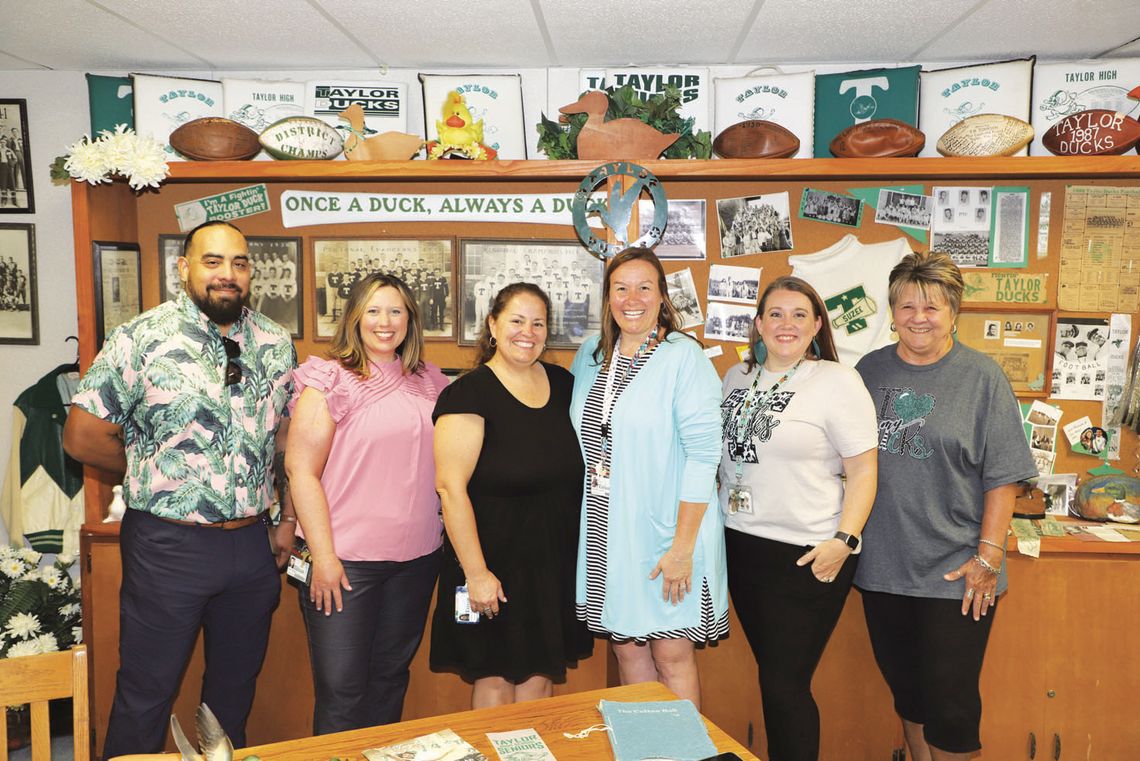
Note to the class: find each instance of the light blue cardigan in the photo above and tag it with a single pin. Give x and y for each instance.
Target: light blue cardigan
(666, 449)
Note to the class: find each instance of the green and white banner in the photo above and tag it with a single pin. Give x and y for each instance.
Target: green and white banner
(309, 207)
(233, 204)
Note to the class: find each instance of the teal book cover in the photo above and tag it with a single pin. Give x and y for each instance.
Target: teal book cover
(853, 97)
(668, 729)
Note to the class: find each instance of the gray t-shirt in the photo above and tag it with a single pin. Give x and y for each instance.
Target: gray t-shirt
(948, 433)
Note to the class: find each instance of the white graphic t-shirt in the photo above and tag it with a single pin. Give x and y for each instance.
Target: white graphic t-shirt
(851, 277)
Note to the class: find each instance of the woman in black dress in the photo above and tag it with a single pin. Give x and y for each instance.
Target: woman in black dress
(509, 474)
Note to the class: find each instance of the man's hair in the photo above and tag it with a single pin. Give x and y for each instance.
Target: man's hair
(212, 223)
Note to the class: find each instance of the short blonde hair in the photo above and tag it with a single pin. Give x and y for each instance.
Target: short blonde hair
(927, 270)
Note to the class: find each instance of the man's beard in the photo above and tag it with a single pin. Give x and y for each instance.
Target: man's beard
(219, 310)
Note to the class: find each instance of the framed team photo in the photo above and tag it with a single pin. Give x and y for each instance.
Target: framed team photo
(16, 195)
(118, 286)
(570, 275)
(19, 311)
(426, 265)
(276, 281)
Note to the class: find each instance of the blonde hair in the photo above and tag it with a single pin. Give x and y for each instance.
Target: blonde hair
(668, 317)
(927, 270)
(347, 345)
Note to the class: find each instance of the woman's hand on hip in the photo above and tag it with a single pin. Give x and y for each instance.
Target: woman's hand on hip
(981, 588)
(485, 593)
(826, 559)
(676, 569)
(325, 585)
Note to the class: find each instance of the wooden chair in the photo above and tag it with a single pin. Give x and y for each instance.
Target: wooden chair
(36, 679)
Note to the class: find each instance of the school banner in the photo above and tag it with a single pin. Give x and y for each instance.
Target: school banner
(311, 207)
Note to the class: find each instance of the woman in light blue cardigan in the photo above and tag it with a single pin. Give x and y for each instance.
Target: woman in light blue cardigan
(646, 405)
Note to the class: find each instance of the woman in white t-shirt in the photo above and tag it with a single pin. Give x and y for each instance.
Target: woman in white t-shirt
(797, 480)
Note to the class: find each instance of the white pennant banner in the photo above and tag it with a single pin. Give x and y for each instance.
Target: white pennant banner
(311, 207)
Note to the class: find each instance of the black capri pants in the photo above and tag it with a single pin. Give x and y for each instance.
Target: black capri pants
(931, 658)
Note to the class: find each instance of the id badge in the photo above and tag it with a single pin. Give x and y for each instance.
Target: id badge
(300, 566)
(599, 485)
(740, 499)
(463, 612)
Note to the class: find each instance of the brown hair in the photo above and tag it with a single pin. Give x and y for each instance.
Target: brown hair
(348, 347)
(926, 270)
(668, 318)
(823, 338)
(485, 349)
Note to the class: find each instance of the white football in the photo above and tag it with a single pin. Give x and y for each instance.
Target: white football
(301, 137)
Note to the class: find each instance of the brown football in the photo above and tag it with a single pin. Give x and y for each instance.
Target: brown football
(1096, 132)
(878, 138)
(756, 139)
(213, 138)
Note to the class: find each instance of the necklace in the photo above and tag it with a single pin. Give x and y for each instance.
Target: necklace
(754, 401)
(599, 481)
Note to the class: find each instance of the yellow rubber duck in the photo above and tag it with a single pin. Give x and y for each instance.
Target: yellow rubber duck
(458, 132)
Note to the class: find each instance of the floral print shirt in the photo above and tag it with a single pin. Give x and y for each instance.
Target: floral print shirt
(197, 450)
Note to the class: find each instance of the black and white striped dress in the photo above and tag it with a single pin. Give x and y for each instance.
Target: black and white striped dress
(597, 522)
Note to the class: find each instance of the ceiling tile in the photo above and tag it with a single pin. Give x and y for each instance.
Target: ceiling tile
(76, 35)
(487, 34)
(829, 31)
(1055, 30)
(1131, 50)
(645, 32)
(278, 34)
(12, 63)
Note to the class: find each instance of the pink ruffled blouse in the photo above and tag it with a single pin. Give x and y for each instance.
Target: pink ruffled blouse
(380, 475)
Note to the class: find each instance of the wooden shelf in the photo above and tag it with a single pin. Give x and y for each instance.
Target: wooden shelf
(1031, 167)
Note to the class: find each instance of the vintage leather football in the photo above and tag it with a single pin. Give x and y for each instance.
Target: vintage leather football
(301, 137)
(878, 138)
(985, 135)
(756, 139)
(213, 138)
(1096, 132)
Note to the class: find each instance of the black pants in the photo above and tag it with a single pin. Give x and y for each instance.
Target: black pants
(787, 615)
(361, 655)
(178, 580)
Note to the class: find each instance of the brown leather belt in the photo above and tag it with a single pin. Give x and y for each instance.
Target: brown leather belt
(224, 525)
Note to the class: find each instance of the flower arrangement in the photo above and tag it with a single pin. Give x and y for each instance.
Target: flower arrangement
(39, 607)
(141, 160)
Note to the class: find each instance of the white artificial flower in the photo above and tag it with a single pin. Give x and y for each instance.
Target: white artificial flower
(12, 568)
(145, 166)
(70, 609)
(5, 552)
(31, 647)
(52, 577)
(33, 574)
(77, 634)
(88, 161)
(65, 560)
(47, 643)
(23, 625)
(30, 556)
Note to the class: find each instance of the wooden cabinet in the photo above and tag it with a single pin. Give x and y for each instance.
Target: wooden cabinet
(1059, 661)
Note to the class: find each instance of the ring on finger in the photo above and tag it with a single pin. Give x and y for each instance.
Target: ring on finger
(987, 596)
(970, 593)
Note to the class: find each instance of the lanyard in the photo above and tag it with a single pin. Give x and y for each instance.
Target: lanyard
(754, 401)
(611, 388)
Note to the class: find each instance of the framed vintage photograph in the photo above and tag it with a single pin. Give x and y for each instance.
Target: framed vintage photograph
(425, 264)
(684, 237)
(754, 225)
(833, 208)
(276, 281)
(569, 274)
(118, 285)
(16, 195)
(902, 209)
(1017, 341)
(19, 312)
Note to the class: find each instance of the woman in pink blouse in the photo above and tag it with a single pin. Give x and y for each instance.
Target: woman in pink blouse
(362, 475)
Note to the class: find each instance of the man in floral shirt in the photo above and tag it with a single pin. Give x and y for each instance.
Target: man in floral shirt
(187, 399)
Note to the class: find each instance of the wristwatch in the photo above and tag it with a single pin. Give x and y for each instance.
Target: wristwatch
(850, 540)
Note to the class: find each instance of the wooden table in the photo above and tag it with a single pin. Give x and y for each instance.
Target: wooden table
(550, 717)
